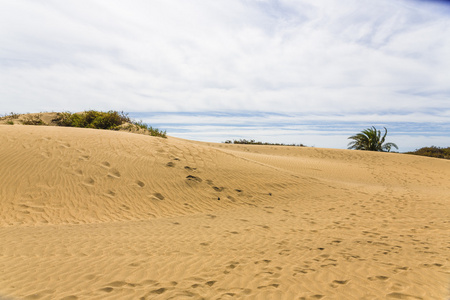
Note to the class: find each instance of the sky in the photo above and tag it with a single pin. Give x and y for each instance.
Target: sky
(287, 71)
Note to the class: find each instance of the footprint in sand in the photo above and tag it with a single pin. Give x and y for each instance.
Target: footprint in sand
(318, 296)
(140, 183)
(70, 297)
(107, 289)
(193, 178)
(159, 291)
(110, 193)
(397, 295)
(337, 283)
(382, 278)
(118, 283)
(232, 264)
(46, 154)
(89, 181)
(210, 283)
(64, 145)
(275, 285)
(114, 173)
(158, 196)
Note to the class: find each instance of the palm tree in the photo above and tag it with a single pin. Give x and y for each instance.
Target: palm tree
(371, 140)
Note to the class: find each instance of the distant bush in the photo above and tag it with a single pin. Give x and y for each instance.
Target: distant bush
(432, 151)
(33, 120)
(253, 142)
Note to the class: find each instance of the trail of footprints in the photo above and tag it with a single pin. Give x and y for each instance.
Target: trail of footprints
(192, 287)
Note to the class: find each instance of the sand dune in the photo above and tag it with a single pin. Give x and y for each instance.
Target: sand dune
(94, 214)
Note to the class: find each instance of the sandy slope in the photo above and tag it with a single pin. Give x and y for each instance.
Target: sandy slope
(92, 214)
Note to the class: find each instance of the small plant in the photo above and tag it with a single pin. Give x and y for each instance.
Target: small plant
(10, 122)
(33, 120)
(140, 124)
(157, 132)
(152, 131)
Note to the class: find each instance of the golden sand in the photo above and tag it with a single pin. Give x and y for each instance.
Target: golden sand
(94, 214)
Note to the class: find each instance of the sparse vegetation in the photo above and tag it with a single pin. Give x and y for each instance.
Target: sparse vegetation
(150, 129)
(10, 116)
(110, 120)
(370, 140)
(253, 142)
(432, 151)
(33, 120)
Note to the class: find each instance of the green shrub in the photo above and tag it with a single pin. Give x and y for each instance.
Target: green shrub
(10, 122)
(432, 151)
(111, 120)
(157, 132)
(63, 119)
(92, 119)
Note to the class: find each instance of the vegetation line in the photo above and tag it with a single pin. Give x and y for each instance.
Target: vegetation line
(253, 142)
(110, 120)
(369, 139)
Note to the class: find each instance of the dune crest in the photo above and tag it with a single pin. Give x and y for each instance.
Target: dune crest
(96, 214)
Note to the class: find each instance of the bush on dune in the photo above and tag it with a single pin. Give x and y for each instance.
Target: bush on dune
(10, 116)
(432, 151)
(111, 120)
(92, 119)
(33, 120)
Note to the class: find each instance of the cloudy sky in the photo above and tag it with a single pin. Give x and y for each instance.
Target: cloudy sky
(292, 71)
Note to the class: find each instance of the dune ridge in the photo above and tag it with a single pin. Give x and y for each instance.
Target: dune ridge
(95, 214)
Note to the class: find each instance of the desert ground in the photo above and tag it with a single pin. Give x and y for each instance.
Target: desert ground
(96, 214)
